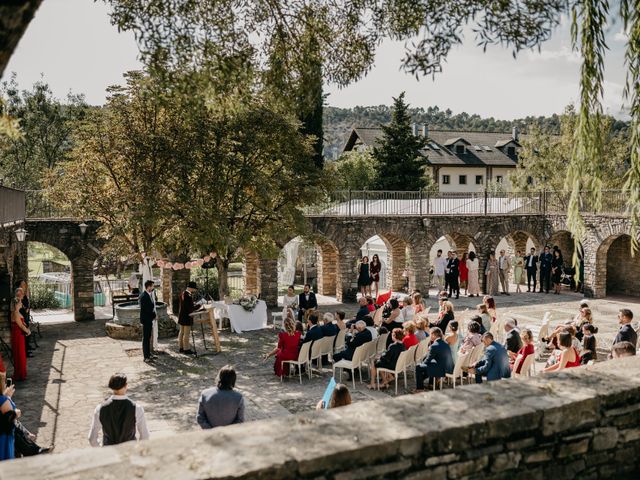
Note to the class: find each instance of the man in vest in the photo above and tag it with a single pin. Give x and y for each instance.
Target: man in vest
(118, 417)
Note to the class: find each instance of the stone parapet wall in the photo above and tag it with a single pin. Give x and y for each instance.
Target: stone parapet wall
(580, 423)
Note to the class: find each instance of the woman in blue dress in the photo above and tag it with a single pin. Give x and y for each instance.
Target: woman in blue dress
(7, 423)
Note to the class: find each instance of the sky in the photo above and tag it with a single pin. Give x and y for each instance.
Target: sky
(74, 47)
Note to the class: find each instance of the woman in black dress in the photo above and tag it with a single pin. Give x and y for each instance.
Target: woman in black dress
(364, 280)
(556, 270)
(374, 271)
(388, 359)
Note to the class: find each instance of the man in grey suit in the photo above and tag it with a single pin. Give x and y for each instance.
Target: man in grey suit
(221, 405)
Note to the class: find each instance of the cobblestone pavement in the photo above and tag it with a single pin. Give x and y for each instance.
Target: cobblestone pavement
(67, 377)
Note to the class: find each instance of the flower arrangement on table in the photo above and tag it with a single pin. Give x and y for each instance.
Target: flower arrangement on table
(248, 302)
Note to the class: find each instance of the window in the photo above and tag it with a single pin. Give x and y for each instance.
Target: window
(446, 179)
(460, 149)
(499, 178)
(529, 180)
(462, 179)
(479, 179)
(511, 151)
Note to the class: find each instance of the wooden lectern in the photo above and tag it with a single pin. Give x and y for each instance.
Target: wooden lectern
(202, 318)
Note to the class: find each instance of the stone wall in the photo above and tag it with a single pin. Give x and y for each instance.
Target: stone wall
(581, 423)
(623, 270)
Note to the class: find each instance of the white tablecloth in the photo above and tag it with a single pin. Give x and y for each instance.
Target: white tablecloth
(241, 320)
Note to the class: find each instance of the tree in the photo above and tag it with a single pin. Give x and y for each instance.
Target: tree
(121, 169)
(355, 170)
(400, 164)
(45, 126)
(544, 159)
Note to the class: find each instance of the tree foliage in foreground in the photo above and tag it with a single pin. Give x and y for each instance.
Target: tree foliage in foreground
(190, 32)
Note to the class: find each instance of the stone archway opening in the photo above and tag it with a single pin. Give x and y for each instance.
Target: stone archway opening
(616, 268)
(297, 264)
(396, 263)
(50, 277)
(459, 242)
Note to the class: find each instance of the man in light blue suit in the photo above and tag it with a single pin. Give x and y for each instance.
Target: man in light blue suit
(494, 364)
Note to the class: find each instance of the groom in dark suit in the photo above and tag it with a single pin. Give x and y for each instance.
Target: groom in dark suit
(545, 270)
(306, 301)
(453, 265)
(147, 315)
(531, 265)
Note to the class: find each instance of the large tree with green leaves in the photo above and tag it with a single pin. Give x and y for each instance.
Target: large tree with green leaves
(399, 162)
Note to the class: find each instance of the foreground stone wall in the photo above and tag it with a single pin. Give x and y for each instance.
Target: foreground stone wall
(581, 423)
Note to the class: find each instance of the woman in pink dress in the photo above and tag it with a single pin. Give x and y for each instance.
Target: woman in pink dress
(19, 331)
(287, 348)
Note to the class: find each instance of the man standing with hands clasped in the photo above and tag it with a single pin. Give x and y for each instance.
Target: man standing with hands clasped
(531, 265)
(147, 315)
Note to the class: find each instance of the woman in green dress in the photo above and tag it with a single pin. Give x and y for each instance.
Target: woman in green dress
(518, 270)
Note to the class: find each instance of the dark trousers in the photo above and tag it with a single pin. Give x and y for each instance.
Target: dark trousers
(447, 279)
(422, 375)
(147, 330)
(454, 285)
(478, 378)
(531, 276)
(545, 280)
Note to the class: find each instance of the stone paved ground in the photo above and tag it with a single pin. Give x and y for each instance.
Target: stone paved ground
(68, 376)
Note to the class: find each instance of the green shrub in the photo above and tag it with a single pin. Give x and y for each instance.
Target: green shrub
(42, 295)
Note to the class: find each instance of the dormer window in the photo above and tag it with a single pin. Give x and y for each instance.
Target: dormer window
(460, 149)
(511, 151)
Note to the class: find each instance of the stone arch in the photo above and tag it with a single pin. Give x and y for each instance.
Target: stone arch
(564, 240)
(616, 269)
(81, 250)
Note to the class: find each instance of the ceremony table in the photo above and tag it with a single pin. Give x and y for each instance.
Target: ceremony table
(242, 320)
(205, 317)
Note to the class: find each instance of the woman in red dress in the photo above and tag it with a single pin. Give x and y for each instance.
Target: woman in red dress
(18, 341)
(287, 348)
(526, 350)
(569, 357)
(464, 273)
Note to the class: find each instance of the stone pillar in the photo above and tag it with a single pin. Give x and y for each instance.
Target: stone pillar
(347, 281)
(268, 281)
(397, 258)
(520, 242)
(179, 281)
(327, 269)
(250, 273)
(167, 275)
(419, 271)
(82, 288)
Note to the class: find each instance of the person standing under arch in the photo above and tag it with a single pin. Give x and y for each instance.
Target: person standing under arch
(364, 279)
(531, 266)
(464, 273)
(473, 265)
(374, 272)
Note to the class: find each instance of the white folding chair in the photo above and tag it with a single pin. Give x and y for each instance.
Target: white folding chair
(422, 350)
(359, 357)
(474, 356)
(327, 347)
(527, 364)
(277, 316)
(377, 317)
(462, 361)
(382, 343)
(411, 361)
(316, 353)
(303, 359)
(339, 344)
(543, 333)
(401, 367)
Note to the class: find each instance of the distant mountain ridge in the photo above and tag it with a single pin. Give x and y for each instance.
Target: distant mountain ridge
(339, 121)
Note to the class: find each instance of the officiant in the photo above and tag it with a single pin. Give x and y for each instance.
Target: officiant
(185, 320)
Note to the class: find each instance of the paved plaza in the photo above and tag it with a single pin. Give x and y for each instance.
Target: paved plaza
(67, 378)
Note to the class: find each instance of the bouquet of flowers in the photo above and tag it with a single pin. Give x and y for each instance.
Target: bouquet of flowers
(248, 302)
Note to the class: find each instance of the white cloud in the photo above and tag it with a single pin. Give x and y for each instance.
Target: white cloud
(621, 36)
(564, 54)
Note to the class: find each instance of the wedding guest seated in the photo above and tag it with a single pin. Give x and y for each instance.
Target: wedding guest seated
(444, 317)
(485, 318)
(340, 316)
(362, 313)
(329, 329)
(388, 359)
(410, 338)
(420, 300)
(437, 363)
(513, 342)
(473, 337)
(589, 346)
(314, 332)
(527, 349)
(626, 332)
(221, 405)
(391, 316)
(421, 329)
(339, 398)
(623, 349)
(453, 339)
(408, 311)
(418, 304)
(371, 306)
(495, 362)
(286, 349)
(569, 356)
(359, 335)
(585, 318)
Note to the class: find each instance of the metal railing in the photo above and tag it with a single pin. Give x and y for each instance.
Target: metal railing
(423, 203)
(12, 206)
